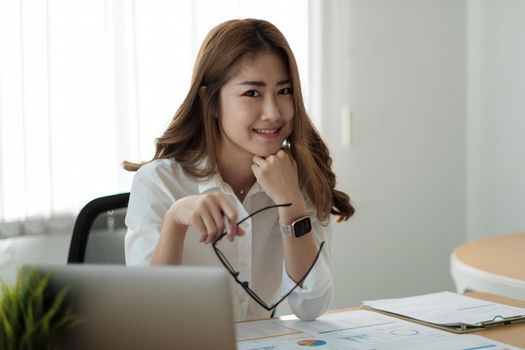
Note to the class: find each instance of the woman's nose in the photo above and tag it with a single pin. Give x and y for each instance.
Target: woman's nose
(271, 110)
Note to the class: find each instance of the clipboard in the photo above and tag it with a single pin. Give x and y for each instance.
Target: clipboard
(460, 328)
(449, 311)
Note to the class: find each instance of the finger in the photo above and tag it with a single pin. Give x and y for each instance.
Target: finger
(231, 215)
(281, 153)
(286, 155)
(240, 232)
(228, 226)
(216, 215)
(259, 161)
(200, 227)
(211, 229)
(256, 170)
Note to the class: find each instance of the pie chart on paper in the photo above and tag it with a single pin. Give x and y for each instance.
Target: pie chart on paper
(311, 342)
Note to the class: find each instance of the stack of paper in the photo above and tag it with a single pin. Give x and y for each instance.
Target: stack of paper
(453, 311)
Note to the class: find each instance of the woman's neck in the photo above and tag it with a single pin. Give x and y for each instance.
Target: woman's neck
(237, 172)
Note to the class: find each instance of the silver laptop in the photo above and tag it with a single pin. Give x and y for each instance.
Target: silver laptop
(147, 307)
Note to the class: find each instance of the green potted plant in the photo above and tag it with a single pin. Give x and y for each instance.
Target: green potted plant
(32, 314)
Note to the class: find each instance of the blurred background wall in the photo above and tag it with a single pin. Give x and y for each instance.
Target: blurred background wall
(434, 91)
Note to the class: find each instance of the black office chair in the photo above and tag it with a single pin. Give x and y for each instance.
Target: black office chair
(98, 235)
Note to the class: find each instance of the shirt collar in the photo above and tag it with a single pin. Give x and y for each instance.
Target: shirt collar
(216, 182)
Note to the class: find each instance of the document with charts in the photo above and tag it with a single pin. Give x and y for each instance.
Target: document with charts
(452, 311)
(356, 330)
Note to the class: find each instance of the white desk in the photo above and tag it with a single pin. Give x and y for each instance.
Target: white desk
(35, 249)
(493, 265)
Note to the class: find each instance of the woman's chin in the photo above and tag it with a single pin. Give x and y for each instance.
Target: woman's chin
(263, 153)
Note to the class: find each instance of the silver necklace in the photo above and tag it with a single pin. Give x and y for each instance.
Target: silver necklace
(241, 191)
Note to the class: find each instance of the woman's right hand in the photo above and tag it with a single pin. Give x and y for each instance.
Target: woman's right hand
(205, 213)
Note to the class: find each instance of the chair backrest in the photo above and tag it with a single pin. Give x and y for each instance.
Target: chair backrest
(98, 235)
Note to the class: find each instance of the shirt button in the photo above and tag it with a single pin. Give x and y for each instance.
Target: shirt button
(243, 264)
(242, 299)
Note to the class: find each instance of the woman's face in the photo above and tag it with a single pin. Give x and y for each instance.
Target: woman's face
(256, 107)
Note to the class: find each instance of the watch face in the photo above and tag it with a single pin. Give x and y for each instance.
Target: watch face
(302, 227)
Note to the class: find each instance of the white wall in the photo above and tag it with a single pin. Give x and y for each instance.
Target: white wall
(496, 117)
(400, 68)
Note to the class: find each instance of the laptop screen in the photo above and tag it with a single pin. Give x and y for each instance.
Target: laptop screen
(146, 307)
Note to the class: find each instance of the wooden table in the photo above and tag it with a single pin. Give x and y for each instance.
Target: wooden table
(494, 265)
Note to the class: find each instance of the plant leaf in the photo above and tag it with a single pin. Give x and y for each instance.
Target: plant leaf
(32, 314)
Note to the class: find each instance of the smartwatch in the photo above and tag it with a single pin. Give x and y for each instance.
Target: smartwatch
(298, 228)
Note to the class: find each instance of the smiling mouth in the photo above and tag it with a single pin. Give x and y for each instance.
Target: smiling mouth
(267, 132)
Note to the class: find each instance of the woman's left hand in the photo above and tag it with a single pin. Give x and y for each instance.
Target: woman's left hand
(277, 174)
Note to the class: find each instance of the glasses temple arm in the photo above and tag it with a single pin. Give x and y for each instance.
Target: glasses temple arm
(302, 279)
(263, 209)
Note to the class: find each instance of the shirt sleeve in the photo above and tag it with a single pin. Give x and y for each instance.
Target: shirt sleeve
(314, 297)
(149, 200)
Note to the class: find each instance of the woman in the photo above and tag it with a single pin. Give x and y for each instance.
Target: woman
(222, 158)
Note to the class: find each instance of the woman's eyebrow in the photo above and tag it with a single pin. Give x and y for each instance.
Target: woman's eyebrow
(262, 83)
(283, 82)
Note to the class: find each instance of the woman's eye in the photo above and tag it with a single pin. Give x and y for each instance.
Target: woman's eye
(252, 93)
(285, 91)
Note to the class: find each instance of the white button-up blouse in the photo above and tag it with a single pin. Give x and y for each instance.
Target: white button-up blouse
(258, 255)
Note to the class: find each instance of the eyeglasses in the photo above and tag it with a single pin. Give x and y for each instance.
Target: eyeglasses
(245, 284)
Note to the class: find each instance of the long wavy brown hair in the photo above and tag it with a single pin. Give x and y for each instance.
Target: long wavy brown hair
(193, 135)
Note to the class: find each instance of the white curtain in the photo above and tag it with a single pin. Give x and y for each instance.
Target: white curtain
(86, 84)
